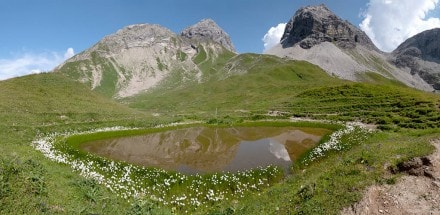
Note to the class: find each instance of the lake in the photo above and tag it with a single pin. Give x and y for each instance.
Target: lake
(207, 149)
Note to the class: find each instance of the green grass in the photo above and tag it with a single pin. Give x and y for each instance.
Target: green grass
(243, 87)
(186, 193)
(386, 105)
(32, 184)
(339, 180)
(268, 82)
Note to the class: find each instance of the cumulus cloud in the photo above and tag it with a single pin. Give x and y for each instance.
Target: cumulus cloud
(69, 53)
(273, 36)
(390, 22)
(31, 63)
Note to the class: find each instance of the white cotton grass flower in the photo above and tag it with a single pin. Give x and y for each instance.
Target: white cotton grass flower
(155, 184)
(335, 143)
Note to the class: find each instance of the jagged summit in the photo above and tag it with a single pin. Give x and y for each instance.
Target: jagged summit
(206, 30)
(426, 45)
(420, 55)
(137, 35)
(315, 34)
(313, 25)
(140, 57)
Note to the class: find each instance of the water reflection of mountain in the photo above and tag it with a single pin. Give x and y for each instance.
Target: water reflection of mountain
(296, 142)
(202, 149)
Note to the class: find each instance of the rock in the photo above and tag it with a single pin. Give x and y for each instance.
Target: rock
(140, 57)
(426, 44)
(416, 167)
(208, 30)
(313, 25)
(317, 35)
(421, 55)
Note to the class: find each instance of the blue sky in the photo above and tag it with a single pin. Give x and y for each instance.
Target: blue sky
(43, 30)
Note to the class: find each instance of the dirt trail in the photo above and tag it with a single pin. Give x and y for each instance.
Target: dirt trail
(410, 195)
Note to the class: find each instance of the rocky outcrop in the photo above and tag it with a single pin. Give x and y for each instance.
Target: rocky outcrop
(313, 25)
(317, 35)
(141, 57)
(208, 30)
(132, 36)
(421, 55)
(425, 45)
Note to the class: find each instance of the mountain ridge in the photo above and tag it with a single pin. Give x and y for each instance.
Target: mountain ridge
(317, 35)
(208, 30)
(319, 24)
(140, 57)
(420, 55)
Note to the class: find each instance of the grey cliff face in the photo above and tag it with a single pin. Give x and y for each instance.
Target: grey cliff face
(140, 57)
(421, 55)
(207, 30)
(139, 35)
(313, 25)
(426, 45)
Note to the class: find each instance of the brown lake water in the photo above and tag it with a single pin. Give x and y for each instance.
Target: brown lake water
(204, 150)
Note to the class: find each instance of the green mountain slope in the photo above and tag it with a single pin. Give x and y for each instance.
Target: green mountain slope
(51, 99)
(258, 84)
(246, 82)
(244, 86)
(140, 58)
(47, 103)
(127, 81)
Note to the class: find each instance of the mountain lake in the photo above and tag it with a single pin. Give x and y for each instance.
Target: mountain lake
(207, 149)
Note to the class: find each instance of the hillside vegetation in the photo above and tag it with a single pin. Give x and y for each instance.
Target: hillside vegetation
(29, 182)
(243, 87)
(262, 83)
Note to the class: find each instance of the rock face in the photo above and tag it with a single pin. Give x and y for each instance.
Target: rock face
(141, 57)
(317, 35)
(425, 45)
(420, 55)
(208, 30)
(313, 25)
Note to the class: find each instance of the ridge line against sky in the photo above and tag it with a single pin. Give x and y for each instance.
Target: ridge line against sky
(42, 34)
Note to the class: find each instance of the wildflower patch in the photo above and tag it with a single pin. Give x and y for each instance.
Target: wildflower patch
(352, 134)
(173, 189)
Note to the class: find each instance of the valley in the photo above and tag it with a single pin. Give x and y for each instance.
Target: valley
(146, 79)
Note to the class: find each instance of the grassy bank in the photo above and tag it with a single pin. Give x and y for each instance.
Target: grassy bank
(51, 103)
(184, 193)
(340, 179)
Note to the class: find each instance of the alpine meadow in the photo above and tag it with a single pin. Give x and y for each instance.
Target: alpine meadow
(349, 120)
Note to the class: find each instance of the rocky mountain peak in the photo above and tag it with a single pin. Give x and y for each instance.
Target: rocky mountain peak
(420, 54)
(208, 30)
(425, 45)
(137, 35)
(313, 25)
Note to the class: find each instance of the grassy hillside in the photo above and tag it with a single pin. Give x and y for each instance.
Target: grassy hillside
(253, 82)
(258, 84)
(30, 183)
(236, 88)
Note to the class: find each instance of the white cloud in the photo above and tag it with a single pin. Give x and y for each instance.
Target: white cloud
(31, 63)
(390, 22)
(69, 53)
(273, 36)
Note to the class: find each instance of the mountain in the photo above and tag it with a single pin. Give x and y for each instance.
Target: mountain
(144, 76)
(317, 35)
(317, 24)
(420, 55)
(207, 30)
(141, 57)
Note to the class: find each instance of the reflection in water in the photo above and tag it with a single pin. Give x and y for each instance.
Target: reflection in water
(201, 149)
(279, 150)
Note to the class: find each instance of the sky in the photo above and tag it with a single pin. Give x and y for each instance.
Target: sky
(38, 35)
